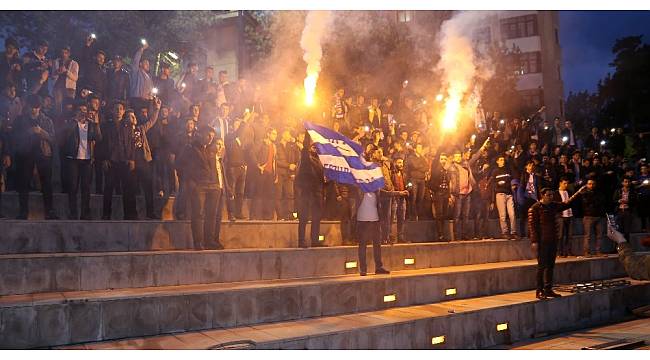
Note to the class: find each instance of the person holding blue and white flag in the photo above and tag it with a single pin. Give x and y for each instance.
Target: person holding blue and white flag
(343, 162)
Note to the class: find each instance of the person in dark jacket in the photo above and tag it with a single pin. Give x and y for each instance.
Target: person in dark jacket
(264, 157)
(109, 158)
(134, 150)
(416, 170)
(287, 163)
(10, 64)
(117, 81)
(593, 208)
(530, 183)
(439, 183)
(625, 200)
(235, 162)
(94, 75)
(79, 139)
(310, 184)
(203, 173)
(542, 218)
(33, 145)
(184, 139)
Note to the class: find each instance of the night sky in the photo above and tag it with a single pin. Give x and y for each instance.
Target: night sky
(587, 38)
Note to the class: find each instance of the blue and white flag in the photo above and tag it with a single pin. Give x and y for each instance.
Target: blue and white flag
(343, 159)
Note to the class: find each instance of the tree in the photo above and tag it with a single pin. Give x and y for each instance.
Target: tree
(583, 110)
(499, 93)
(623, 95)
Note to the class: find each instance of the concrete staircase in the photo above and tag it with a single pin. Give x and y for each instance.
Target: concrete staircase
(80, 284)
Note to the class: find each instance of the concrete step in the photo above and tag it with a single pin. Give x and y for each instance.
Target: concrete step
(40, 236)
(49, 319)
(34, 273)
(473, 323)
(10, 207)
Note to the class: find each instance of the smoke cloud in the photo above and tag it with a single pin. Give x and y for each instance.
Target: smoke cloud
(315, 26)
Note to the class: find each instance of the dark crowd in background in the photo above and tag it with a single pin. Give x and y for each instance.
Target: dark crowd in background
(91, 123)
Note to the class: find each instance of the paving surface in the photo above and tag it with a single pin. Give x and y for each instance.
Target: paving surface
(630, 330)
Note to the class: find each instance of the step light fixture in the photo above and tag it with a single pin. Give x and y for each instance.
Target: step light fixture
(390, 298)
(321, 237)
(450, 291)
(409, 261)
(502, 327)
(437, 340)
(350, 264)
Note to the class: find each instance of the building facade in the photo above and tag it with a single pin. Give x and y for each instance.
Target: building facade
(533, 35)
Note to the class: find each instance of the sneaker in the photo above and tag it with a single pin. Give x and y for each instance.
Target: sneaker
(540, 295)
(381, 271)
(363, 273)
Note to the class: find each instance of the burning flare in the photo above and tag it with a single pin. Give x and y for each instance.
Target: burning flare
(310, 42)
(459, 68)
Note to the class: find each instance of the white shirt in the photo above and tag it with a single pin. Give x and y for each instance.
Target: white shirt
(565, 196)
(368, 208)
(83, 153)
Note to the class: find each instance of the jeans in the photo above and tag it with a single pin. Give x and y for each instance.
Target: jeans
(565, 236)
(384, 218)
(284, 196)
(546, 253)
(204, 204)
(80, 175)
(593, 226)
(310, 205)
(25, 170)
(441, 211)
(506, 207)
(349, 219)
(114, 181)
(416, 199)
(369, 232)
(236, 176)
(461, 214)
(399, 212)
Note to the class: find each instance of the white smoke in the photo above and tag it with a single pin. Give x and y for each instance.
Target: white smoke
(459, 66)
(315, 26)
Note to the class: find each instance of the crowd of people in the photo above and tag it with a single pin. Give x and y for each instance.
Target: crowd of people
(87, 123)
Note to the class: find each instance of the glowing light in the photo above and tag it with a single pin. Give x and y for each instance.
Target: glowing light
(93, 36)
(390, 298)
(450, 114)
(154, 91)
(450, 291)
(143, 41)
(350, 264)
(366, 128)
(502, 121)
(646, 182)
(437, 340)
(315, 26)
(409, 261)
(295, 215)
(603, 143)
(613, 130)
(502, 327)
(321, 237)
(565, 139)
(439, 97)
(183, 85)
(473, 138)
(173, 55)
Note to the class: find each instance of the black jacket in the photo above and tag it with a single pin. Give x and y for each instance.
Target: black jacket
(310, 175)
(416, 167)
(117, 85)
(26, 142)
(542, 221)
(107, 147)
(71, 139)
(286, 154)
(94, 79)
(198, 167)
(235, 155)
(593, 203)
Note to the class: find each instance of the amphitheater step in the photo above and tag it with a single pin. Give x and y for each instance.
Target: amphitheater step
(33, 273)
(36, 236)
(60, 203)
(48, 319)
(473, 323)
